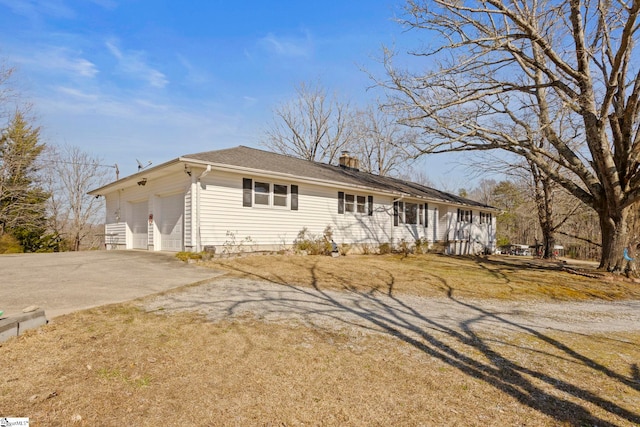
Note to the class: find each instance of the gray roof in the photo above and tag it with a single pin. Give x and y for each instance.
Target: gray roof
(267, 161)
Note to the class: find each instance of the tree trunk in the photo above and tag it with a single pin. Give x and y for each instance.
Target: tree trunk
(614, 239)
(543, 194)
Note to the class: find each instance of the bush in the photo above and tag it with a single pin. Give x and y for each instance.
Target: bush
(366, 249)
(344, 249)
(9, 245)
(313, 244)
(421, 246)
(186, 256)
(404, 248)
(384, 248)
(234, 246)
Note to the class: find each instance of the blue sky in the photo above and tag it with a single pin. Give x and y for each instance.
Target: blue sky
(152, 80)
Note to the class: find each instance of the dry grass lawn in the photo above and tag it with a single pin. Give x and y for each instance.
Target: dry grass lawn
(118, 365)
(510, 278)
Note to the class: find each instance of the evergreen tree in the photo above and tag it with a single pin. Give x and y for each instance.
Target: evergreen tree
(22, 199)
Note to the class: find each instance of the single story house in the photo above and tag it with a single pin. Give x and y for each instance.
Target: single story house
(262, 200)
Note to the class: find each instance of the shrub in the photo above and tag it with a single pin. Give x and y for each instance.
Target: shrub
(366, 249)
(384, 248)
(186, 256)
(344, 249)
(233, 246)
(9, 245)
(404, 248)
(313, 244)
(421, 246)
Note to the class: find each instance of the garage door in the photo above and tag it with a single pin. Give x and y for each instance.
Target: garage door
(139, 224)
(170, 223)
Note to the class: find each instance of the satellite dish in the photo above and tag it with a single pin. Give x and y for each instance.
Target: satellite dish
(141, 166)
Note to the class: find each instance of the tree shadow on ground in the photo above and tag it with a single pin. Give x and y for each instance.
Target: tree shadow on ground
(460, 343)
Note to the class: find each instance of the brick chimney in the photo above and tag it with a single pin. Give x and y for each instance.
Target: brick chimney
(348, 162)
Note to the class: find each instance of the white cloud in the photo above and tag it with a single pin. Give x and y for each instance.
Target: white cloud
(77, 66)
(133, 64)
(53, 58)
(75, 93)
(288, 46)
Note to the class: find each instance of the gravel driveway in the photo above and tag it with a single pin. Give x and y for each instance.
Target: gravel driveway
(229, 297)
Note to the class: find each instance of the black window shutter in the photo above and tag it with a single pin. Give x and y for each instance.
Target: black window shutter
(471, 215)
(247, 185)
(426, 214)
(395, 213)
(370, 205)
(340, 202)
(294, 197)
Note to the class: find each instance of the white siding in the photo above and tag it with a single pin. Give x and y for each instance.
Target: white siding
(444, 223)
(115, 235)
(224, 218)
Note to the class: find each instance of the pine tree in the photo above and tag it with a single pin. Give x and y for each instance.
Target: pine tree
(22, 199)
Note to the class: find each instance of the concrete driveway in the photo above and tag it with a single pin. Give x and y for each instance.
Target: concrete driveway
(64, 282)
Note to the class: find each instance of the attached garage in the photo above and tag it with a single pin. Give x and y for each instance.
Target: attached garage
(139, 225)
(170, 223)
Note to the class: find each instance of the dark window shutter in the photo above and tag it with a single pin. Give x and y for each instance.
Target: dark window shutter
(470, 216)
(340, 202)
(294, 197)
(247, 185)
(426, 214)
(370, 205)
(459, 219)
(395, 213)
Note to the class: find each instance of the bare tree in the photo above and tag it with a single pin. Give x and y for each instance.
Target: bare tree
(381, 143)
(502, 62)
(72, 212)
(313, 126)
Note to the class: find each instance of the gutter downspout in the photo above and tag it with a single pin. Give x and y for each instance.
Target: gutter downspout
(198, 185)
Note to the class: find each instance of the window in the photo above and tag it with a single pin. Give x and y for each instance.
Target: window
(279, 195)
(464, 215)
(349, 201)
(410, 213)
(485, 218)
(362, 204)
(261, 193)
(355, 204)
